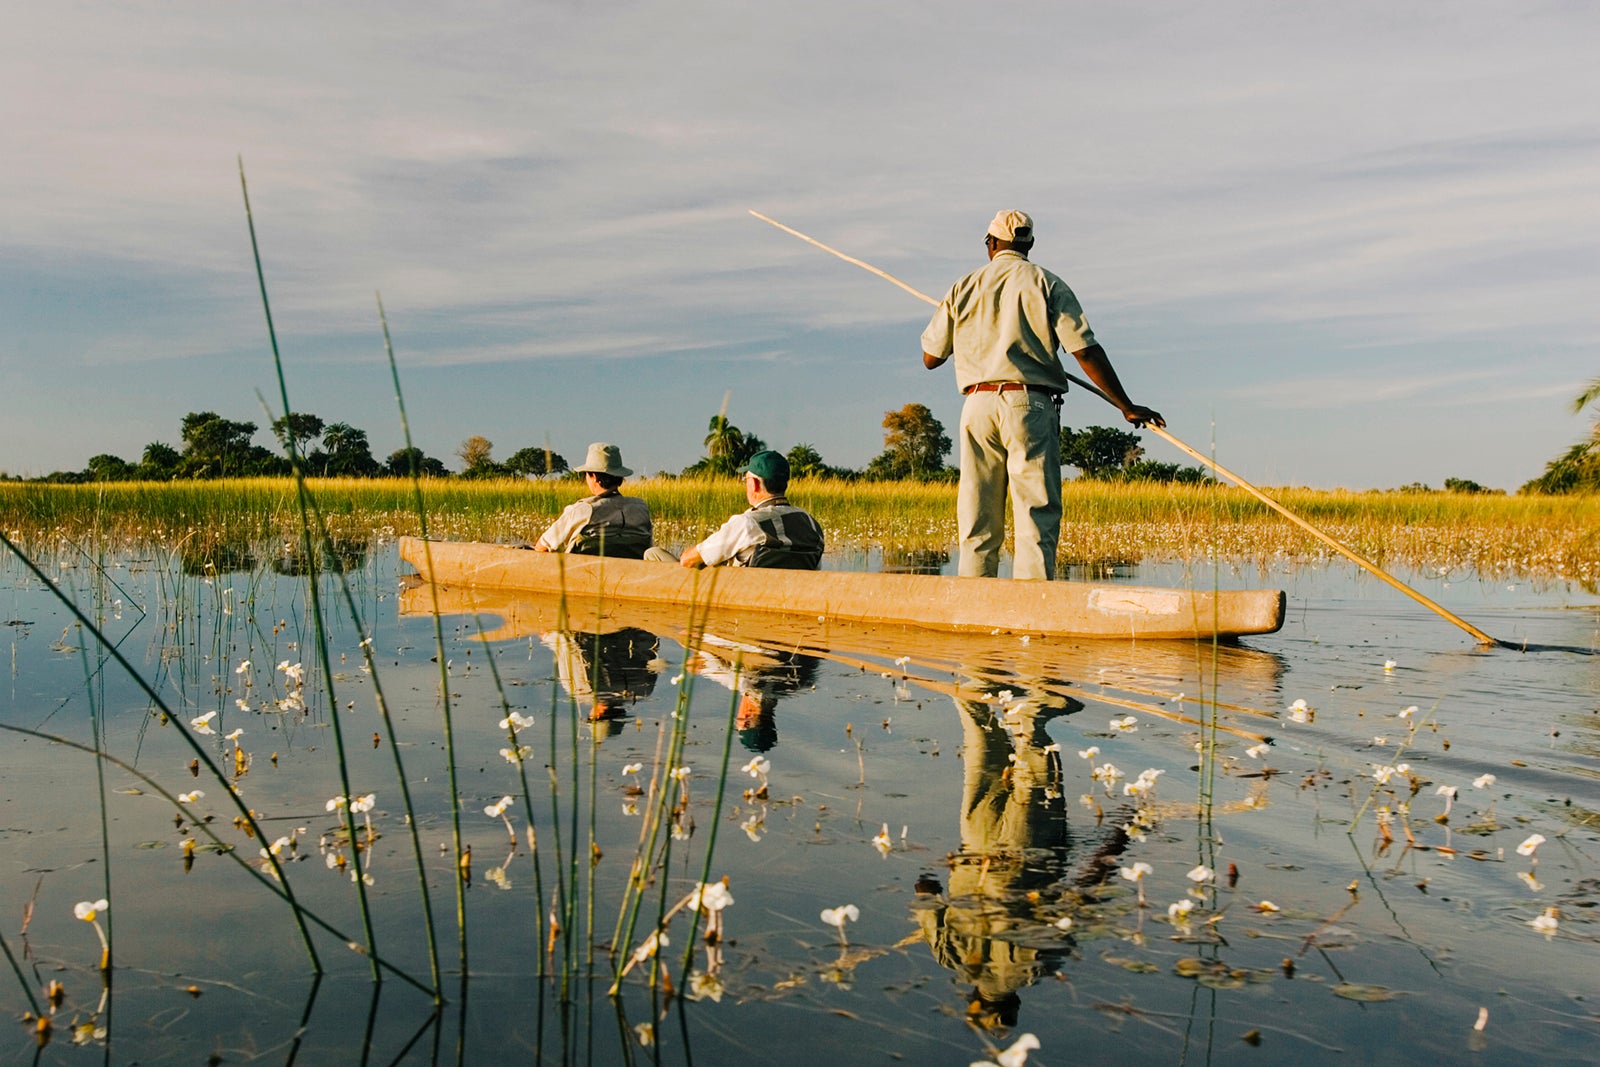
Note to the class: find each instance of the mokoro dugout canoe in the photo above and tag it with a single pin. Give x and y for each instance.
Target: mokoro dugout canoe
(934, 602)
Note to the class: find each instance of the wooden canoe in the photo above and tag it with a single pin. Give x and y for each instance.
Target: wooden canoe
(935, 602)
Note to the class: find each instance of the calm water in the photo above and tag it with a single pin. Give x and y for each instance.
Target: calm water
(995, 905)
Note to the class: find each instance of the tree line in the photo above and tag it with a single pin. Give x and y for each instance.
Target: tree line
(916, 448)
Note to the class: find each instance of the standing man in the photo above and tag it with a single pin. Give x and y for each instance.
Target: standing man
(772, 533)
(605, 523)
(1004, 324)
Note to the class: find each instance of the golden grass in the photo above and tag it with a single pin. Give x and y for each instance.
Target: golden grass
(1492, 535)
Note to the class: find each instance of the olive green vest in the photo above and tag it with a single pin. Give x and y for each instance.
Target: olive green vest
(790, 538)
(618, 526)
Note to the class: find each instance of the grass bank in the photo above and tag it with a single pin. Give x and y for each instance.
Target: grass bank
(1529, 536)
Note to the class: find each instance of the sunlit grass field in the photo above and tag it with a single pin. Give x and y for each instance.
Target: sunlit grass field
(1493, 535)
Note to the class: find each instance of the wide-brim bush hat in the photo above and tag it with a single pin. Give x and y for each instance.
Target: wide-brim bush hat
(603, 459)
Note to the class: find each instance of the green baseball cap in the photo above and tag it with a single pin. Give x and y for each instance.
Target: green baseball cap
(769, 466)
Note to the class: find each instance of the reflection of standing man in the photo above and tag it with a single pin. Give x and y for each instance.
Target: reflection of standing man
(1011, 811)
(605, 671)
(1004, 323)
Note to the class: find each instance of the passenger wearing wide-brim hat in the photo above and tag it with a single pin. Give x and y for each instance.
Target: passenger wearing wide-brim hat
(606, 523)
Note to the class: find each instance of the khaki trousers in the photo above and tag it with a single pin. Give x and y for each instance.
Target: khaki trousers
(1009, 442)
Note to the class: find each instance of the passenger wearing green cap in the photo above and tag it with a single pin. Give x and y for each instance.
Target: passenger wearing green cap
(606, 523)
(773, 533)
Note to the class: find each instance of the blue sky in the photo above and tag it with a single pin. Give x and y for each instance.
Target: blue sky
(1350, 244)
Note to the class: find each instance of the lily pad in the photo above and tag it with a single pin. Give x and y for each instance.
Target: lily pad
(1129, 964)
(1367, 994)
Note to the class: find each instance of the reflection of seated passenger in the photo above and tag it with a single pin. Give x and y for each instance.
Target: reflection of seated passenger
(760, 676)
(607, 672)
(773, 533)
(605, 523)
(1014, 842)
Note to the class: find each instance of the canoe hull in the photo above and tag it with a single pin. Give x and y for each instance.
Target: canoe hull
(956, 605)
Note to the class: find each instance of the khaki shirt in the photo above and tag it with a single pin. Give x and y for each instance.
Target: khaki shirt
(1005, 323)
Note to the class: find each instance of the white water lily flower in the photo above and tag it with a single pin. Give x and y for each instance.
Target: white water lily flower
(1107, 773)
(1015, 1056)
(1128, 725)
(1408, 712)
(1064, 923)
(711, 896)
(1137, 871)
(516, 755)
(1201, 874)
(882, 842)
(1389, 665)
(335, 804)
(1178, 911)
(1547, 923)
(202, 723)
(292, 671)
(497, 809)
(1267, 906)
(190, 797)
(1445, 791)
(1089, 753)
(680, 773)
(753, 826)
(1300, 711)
(364, 804)
(515, 721)
(242, 668)
(236, 734)
(1256, 751)
(837, 917)
(1483, 781)
(633, 768)
(89, 910)
(649, 947)
(1531, 845)
(757, 767)
(1532, 882)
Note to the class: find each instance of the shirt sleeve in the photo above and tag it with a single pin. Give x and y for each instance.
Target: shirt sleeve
(736, 535)
(938, 340)
(560, 535)
(1066, 316)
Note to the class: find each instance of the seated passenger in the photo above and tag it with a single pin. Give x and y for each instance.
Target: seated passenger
(605, 523)
(773, 533)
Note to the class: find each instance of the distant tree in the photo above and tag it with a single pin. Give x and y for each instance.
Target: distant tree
(1100, 452)
(1414, 487)
(723, 442)
(1578, 469)
(475, 451)
(806, 462)
(302, 427)
(348, 453)
(533, 462)
(108, 468)
(402, 460)
(1146, 470)
(215, 447)
(160, 461)
(1464, 485)
(914, 446)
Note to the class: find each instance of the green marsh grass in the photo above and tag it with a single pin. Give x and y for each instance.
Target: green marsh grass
(1495, 536)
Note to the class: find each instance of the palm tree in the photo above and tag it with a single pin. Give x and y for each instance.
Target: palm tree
(723, 443)
(1590, 394)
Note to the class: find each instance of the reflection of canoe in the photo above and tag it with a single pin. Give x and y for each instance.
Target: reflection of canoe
(1147, 676)
(959, 605)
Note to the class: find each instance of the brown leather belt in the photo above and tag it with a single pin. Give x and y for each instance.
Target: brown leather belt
(1009, 387)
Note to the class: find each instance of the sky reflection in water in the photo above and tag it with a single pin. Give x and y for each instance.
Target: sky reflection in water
(994, 903)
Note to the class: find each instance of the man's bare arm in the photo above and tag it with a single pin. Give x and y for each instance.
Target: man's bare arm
(933, 362)
(1098, 367)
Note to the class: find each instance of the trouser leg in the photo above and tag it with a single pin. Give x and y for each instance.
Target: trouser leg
(981, 498)
(1032, 433)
